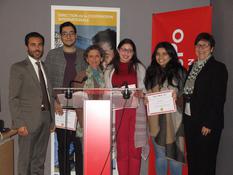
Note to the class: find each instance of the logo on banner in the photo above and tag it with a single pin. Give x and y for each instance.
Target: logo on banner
(180, 28)
(178, 37)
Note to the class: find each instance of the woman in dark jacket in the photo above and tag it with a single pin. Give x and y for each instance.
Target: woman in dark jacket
(205, 94)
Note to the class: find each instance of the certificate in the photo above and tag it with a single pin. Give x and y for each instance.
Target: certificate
(160, 103)
(66, 121)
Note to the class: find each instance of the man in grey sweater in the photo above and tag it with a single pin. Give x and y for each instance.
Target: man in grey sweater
(63, 64)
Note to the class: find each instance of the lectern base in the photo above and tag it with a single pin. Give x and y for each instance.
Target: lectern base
(97, 137)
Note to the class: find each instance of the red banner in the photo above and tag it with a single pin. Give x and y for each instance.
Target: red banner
(180, 28)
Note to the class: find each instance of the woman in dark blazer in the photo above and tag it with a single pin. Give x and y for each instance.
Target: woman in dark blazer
(205, 94)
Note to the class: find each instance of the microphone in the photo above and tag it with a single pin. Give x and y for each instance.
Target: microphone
(79, 82)
(126, 92)
(69, 92)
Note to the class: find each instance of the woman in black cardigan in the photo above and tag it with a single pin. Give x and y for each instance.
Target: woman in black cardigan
(205, 94)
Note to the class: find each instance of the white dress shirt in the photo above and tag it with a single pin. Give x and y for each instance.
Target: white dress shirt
(33, 61)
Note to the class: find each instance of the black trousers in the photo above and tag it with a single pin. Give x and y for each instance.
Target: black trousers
(201, 150)
(65, 138)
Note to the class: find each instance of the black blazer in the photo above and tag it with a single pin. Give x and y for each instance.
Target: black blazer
(209, 95)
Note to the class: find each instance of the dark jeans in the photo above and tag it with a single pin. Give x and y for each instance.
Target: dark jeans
(65, 138)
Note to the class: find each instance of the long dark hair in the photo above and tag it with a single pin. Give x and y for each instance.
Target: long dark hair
(134, 60)
(156, 75)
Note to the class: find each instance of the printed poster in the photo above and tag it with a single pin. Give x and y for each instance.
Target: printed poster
(89, 21)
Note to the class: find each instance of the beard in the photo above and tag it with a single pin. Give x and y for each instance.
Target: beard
(37, 54)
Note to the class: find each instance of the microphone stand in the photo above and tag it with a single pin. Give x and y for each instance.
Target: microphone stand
(126, 93)
(68, 96)
(79, 82)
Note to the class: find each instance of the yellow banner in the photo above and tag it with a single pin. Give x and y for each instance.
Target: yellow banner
(86, 18)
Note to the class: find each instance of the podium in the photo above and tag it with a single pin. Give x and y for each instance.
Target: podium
(7, 152)
(97, 105)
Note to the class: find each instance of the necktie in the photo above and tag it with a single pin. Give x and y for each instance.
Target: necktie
(45, 100)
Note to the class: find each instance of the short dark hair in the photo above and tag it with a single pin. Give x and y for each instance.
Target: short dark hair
(67, 24)
(33, 34)
(206, 37)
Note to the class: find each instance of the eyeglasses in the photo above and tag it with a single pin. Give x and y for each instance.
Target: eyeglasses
(66, 34)
(130, 51)
(202, 46)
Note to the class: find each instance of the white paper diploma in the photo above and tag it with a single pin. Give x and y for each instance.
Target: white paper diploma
(70, 123)
(160, 103)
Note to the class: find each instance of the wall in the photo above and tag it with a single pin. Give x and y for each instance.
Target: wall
(20, 17)
(222, 29)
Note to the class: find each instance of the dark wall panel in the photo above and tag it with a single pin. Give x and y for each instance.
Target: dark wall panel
(222, 30)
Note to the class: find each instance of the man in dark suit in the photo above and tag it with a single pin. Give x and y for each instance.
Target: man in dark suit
(31, 107)
(63, 64)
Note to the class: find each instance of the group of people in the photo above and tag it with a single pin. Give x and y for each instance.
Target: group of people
(199, 94)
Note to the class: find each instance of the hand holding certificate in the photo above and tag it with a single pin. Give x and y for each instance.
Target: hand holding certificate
(160, 103)
(68, 123)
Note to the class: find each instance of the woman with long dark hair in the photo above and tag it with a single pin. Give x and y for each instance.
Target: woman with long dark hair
(129, 123)
(166, 73)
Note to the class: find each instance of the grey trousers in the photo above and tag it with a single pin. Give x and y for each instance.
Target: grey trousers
(33, 148)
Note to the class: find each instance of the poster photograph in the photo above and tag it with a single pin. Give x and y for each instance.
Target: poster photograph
(89, 22)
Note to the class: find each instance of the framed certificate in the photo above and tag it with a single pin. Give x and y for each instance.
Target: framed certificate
(160, 103)
(66, 121)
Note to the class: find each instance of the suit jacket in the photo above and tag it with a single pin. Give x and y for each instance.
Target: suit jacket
(56, 64)
(25, 96)
(209, 95)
